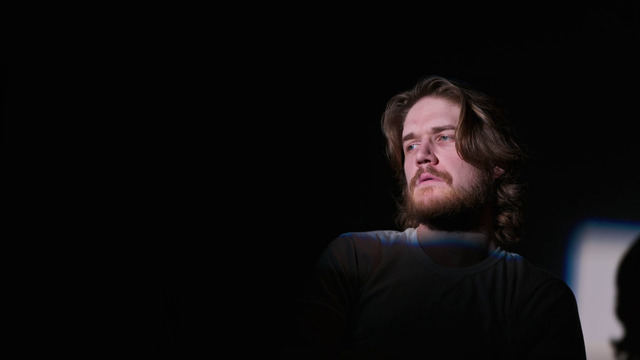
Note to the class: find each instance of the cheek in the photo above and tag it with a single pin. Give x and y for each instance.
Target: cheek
(466, 176)
(460, 171)
(409, 184)
(409, 172)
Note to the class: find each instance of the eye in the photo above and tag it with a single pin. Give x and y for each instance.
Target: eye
(445, 138)
(412, 146)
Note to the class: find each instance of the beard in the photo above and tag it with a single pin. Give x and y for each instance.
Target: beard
(460, 208)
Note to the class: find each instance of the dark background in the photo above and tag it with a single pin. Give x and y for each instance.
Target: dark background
(256, 141)
(569, 78)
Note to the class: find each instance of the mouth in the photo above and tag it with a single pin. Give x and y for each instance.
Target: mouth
(427, 178)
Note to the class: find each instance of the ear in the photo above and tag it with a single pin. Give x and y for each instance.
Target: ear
(497, 171)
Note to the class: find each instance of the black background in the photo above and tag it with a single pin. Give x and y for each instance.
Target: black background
(244, 140)
(288, 151)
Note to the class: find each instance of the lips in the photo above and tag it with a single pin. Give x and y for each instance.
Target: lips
(427, 177)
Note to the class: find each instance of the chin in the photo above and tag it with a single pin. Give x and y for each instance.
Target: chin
(427, 197)
(434, 205)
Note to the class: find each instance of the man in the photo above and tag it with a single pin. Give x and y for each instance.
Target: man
(444, 287)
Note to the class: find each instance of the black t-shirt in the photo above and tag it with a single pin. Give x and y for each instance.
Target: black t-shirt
(397, 303)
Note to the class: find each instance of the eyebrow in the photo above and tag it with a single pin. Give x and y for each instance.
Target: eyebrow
(435, 129)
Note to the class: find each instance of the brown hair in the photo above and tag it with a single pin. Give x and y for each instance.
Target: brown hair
(484, 138)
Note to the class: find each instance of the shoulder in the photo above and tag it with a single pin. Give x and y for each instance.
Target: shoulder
(383, 236)
(545, 312)
(525, 268)
(368, 244)
(536, 284)
(373, 240)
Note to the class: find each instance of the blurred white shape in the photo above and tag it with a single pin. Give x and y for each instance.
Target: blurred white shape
(595, 251)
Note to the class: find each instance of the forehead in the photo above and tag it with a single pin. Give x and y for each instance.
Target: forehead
(432, 112)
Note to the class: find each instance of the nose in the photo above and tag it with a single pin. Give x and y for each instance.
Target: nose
(425, 155)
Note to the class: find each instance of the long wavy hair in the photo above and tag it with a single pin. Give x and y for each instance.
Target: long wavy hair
(484, 138)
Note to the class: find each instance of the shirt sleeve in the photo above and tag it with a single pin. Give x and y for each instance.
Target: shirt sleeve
(323, 306)
(549, 324)
(333, 282)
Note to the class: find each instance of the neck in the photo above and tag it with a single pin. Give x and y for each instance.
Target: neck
(455, 248)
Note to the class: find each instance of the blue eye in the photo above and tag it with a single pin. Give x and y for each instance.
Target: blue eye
(411, 147)
(445, 137)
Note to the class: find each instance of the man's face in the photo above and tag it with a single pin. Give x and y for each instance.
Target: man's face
(439, 181)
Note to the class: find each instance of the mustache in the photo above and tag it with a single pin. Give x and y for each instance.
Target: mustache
(429, 170)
